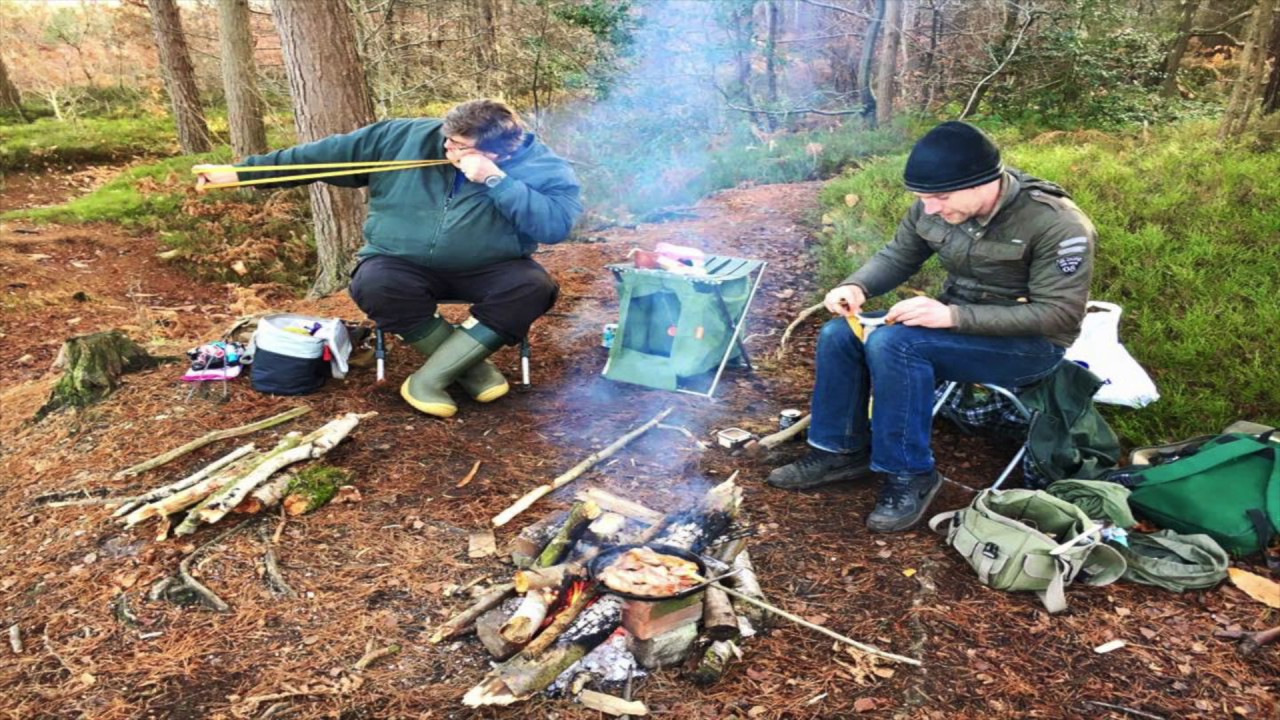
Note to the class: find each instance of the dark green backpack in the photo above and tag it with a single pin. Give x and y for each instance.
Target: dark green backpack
(1227, 487)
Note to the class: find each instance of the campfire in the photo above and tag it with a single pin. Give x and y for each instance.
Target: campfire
(610, 589)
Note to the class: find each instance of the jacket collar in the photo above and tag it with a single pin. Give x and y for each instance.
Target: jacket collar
(1010, 186)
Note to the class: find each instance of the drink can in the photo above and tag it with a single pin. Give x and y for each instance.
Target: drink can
(788, 417)
(608, 334)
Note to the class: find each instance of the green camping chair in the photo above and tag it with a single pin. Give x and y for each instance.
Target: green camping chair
(679, 332)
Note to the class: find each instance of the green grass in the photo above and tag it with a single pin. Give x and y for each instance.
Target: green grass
(1189, 244)
(47, 142)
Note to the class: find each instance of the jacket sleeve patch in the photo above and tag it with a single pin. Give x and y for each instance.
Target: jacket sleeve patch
(1070, 263)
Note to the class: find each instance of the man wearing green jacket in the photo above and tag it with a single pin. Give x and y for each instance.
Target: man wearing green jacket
(463, 231)
(1019, 257)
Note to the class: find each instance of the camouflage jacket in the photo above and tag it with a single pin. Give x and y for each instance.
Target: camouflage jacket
(1025, 271)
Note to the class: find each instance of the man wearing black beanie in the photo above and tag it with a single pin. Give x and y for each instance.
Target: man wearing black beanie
(1019, 258)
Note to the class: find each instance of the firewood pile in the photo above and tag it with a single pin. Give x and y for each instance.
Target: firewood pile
(556, 628)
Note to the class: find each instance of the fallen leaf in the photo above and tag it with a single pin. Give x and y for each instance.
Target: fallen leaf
(757, 711)
(851, 199)
(347, 494)
(88, 678)
(883, 672)
(1257, 587)
(1123, 611)
(240, 267)
(864, 705)
(1148, 633)
(481, 544)
(909, 572)
(816, 619)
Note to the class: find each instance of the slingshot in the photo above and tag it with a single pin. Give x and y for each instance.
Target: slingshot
(346, 168)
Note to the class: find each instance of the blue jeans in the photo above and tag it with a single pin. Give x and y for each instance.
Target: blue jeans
(905, 364)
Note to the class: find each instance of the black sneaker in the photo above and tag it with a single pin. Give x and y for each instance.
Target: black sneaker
(820, 467)
(903, 501)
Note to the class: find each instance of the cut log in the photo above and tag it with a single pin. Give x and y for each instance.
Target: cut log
(611, 704)
(550, 577)
(715, 661)
(212, 437)
(579, 517)
(528, 673)
(172, 488)
(612, 503)
(579, 599)
(605, 530)
(489, 630)
(189, 496)
(91, 368)
(573, 473)
(526, 546)
(527, 618)
(745, 582)
(719, 621)
(268, 494)
(236, 474)
(461, 623)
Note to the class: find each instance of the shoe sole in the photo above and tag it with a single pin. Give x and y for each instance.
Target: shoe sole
(908, 523)
(437, 409)
(850, 476)
(493, 393)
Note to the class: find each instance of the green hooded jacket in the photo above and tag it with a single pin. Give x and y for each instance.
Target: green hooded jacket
(434, 217)
(1024, 271)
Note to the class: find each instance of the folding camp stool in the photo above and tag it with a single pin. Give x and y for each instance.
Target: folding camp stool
(380, 351)
(1009, 395)
(659, 360)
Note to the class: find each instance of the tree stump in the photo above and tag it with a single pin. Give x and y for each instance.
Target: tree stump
(91, 368)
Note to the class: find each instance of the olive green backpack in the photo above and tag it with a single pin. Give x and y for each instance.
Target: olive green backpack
(1023, 540)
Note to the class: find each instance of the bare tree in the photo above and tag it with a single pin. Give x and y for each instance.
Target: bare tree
(865, 63)
(179, 77)
(771, 59)
(888, 69)
(1015, 28)
(1169, 87)
(1253, 62)
(330, 95)
(240, 79)
(1271, 96)
(9, 96)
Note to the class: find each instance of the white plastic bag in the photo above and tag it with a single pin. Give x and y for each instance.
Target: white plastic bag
(1098, 348)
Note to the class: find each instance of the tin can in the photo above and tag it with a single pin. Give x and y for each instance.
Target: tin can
(788, 417)
(607, 334)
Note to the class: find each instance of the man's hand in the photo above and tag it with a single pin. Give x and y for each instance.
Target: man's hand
(920, 312)
(476, 166)
(845, 300)
(213, 175)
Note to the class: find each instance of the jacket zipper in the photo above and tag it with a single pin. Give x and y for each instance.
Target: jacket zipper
(448, 200)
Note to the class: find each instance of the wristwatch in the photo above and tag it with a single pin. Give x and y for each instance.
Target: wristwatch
(493, 180)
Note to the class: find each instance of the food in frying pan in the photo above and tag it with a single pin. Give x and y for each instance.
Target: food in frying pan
(641, 571)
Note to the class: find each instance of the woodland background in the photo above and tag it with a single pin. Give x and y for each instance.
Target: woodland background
(1158, 115)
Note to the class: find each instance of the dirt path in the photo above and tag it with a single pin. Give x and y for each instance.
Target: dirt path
(375, 572)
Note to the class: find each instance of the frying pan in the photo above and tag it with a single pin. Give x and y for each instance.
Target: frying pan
(611, 555)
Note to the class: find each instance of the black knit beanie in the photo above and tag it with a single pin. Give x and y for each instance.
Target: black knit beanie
(952, 156)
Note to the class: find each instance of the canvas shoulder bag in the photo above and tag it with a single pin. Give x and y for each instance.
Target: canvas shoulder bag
(1009, 537)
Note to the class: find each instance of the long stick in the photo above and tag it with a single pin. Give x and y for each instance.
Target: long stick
(538, 493)
(184, 483)
(782, 344)
(212, 437)
(829, 633)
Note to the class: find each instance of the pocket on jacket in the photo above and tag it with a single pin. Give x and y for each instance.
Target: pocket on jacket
(1000, 263)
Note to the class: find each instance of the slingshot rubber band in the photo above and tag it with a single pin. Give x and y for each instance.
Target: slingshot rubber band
(364, 168)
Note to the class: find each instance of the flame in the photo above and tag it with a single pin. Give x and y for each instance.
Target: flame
(575, 591)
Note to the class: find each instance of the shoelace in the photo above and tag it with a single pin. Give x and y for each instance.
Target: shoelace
(895, 492)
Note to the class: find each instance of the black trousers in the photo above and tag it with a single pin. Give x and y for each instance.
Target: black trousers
(402, 296)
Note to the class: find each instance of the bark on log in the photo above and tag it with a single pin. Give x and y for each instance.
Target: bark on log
(746, 583)
(526, 546)
(572, 474)
(536, 578)
(719, 621)
(528, 617)
(579, 516)
(563, 620)
(212, 437)
(614, 504)
(91, 369)
(223, 483)
(268, 494)
(463, 621)
(172, 488)
(715, 662)
(189, 496)
(611, 704)
(489, 630)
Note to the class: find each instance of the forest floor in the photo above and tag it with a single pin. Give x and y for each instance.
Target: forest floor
(373, 573)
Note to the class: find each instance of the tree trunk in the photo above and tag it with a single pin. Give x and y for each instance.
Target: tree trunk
(91, 368)
(866, 95)
(179, 77)
(240, 79)
(888, 69)
(1012, 21)
(330, 96)
(771, 61)
(489, 53)
(10, 98)
(1173, 59)
(1249, 79)
(1271, 96)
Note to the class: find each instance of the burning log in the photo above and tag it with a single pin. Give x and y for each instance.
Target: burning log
(746, 583)
(528, 617)
(462, 622)
(549, 577)
(694, 530)
(612, 503)
(579, 516)
(715, 662)
(489, 630)
(580, 596)
(531, 672)
(538, 493)
(524, 549)
(719, 621)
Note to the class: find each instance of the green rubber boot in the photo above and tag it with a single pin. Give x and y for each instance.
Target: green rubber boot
(461, 350)
(482, 381)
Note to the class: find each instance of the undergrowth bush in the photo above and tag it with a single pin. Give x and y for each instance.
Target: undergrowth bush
(1189, 244)
(47, 142)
